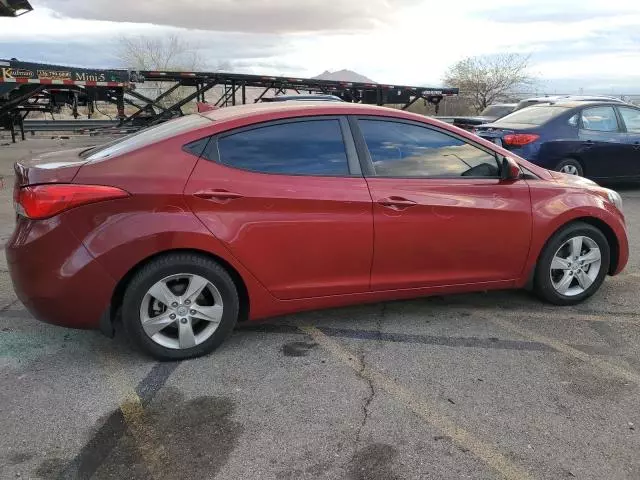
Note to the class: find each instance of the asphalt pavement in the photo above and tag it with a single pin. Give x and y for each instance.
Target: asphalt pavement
(480, 386)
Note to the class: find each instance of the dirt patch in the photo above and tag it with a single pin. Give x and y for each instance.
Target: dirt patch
(297, 349)
(373, 462)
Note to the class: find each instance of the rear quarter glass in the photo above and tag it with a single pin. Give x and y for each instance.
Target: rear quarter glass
(535, 115)
(147, 137)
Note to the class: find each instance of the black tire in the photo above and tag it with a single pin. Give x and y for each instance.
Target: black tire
(543, 285)
(174, 264)
(571, 163)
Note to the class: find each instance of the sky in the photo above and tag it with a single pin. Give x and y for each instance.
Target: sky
(591, 45)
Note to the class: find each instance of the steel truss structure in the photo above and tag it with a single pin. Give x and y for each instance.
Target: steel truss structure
(27, 87)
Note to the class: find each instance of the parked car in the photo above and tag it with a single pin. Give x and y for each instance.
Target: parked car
(527, 102)
(242, 213)
(488, 115)
(599, 140)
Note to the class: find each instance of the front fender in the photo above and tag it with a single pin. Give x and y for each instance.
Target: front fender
(555, 206)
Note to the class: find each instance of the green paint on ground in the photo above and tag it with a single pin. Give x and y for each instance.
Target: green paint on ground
(27, 346)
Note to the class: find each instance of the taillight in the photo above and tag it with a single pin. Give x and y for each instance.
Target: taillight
(519, 139)
(43, 201)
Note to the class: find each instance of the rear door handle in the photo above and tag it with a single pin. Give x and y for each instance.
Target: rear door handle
(217, 195)
(589, 144)
(396, 203)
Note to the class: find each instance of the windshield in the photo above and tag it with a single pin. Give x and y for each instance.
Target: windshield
(496, 111)
(534, 115)
(145, 137)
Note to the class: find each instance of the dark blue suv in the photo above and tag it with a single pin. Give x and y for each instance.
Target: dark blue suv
(599, 140)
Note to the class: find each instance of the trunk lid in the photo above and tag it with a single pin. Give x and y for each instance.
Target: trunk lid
(54, 167)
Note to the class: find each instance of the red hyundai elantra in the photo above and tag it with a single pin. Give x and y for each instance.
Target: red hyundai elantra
(184, 229)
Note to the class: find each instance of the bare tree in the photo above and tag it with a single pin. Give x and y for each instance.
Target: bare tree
(166, 53)
(488, 78)
(169, 53)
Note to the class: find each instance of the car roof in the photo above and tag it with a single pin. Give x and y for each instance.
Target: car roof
(296, 108)
(583, 98)
(579, 103)
(301, 98)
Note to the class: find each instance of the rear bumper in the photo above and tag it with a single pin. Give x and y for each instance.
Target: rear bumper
(55, 277)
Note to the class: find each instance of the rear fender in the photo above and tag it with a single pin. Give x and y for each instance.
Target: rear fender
(554, 151)
(122, 234)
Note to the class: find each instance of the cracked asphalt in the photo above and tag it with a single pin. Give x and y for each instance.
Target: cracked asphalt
(480, 386)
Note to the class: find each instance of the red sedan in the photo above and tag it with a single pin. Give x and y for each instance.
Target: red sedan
(242, 213)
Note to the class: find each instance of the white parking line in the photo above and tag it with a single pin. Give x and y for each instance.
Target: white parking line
(567, 350)
(558, 314)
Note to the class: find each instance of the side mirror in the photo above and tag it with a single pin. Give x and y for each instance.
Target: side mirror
(510, 169)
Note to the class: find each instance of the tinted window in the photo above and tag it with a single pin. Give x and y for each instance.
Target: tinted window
(312, 147)
(146, 137)
(534, 115)
(496, 111)
(631, 118)
(601, 119)
(404, 150)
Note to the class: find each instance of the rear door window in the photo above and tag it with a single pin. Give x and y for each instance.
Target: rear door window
(311, 147)
(631, 118)
(599, 119)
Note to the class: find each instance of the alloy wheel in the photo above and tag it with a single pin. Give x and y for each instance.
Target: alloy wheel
(181, 311)
(575, 266)
(570, 169)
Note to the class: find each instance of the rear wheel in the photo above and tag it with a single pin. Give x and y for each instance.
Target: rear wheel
(570, 166)
(180, 306)
(572, 265)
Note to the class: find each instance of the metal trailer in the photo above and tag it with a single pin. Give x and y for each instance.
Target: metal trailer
(27, 87)
(32, 87)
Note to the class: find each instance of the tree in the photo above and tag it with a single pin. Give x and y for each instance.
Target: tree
(168, 53)
(486, 79)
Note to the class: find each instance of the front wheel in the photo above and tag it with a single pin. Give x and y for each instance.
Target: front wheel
(180, 306)
(572, 265)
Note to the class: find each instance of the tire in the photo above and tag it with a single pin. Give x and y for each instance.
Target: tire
(570, 166)
(549, 283)
(179, 272)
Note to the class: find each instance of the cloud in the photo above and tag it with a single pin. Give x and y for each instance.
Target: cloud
(70, 53)
(94, 43)
(410, 44)
(230, 52)
(553, 11)
(264, 16)
(553, 14)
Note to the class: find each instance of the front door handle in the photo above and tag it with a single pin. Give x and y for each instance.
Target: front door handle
(589, 144)
(217, 195)
(396, 203)
(636, 145)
